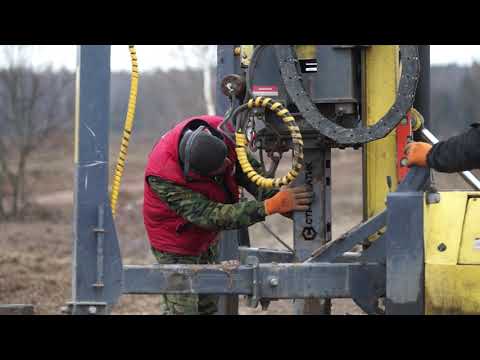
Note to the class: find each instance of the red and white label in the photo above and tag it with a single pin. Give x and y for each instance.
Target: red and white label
(265, 90)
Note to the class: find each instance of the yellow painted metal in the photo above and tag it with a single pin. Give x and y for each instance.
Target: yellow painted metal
(470, 246)
(450, 286)
(452, 289)
(246, 54)
(443, 224)
(306, 52)
(379, 157)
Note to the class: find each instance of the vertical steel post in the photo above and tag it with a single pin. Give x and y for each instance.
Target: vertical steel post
(227, 63)
(96, 264)
(312, 228)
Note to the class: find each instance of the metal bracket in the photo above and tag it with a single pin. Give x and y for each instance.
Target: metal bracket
(265, 255)
(375, 253)
(254, 299)
(86, 308)
(432, 197)
(99, 235)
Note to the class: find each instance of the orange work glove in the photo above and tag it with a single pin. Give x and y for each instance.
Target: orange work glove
(289, 199)
(416, 153)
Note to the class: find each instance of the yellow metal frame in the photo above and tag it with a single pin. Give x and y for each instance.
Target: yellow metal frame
(470, 246)
(306, 52)
(246, 52)
(451, 229)
(379, 157)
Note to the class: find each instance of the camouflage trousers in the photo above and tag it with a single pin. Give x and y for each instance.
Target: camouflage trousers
(174, 304)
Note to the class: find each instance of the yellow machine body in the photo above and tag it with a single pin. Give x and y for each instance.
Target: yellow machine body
(451, 227)
(246, 52)
(452, 254)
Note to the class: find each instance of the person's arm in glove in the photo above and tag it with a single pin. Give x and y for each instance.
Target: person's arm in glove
(201, 211)
(458, 153)
(289, 199)
(417, 153)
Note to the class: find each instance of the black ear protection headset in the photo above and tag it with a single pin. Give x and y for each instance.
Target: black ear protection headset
(188, 146)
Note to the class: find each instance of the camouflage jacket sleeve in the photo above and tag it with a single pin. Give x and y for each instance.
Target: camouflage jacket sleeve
(199, 210)
(243, 181)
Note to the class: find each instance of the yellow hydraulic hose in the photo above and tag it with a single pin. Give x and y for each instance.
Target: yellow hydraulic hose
(127, 130)
(417, 119)
(241, 148)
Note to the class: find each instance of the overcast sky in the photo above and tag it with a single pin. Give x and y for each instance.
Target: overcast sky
(154, 56)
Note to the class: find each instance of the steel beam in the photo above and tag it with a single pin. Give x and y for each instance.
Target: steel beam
(312, 228)
(274, 281)
(227, 63)
(97, 264)
(16, 309)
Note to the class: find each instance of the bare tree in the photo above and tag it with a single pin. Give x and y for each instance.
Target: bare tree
(200, 57)
(33, 104)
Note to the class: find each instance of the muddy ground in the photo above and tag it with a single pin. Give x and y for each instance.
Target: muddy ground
(35, 253)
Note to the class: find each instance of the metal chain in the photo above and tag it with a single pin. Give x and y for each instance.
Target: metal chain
(292, 80)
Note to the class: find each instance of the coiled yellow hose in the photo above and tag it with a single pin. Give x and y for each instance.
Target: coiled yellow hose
(242, 142)
(127, 131)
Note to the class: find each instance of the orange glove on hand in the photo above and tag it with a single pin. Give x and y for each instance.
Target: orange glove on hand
(416, 153)
(289, 199)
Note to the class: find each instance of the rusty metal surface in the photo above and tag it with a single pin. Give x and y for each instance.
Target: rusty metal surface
(275, 281)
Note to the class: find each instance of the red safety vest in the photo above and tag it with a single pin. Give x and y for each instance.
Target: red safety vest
(166, 230)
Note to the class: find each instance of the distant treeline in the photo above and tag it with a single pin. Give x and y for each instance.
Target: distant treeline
(166, 97)
(455, 92)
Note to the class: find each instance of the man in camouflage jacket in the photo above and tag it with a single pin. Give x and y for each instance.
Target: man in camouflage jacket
(191, 194)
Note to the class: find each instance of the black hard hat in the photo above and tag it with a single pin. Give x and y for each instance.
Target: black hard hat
(201, 151)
